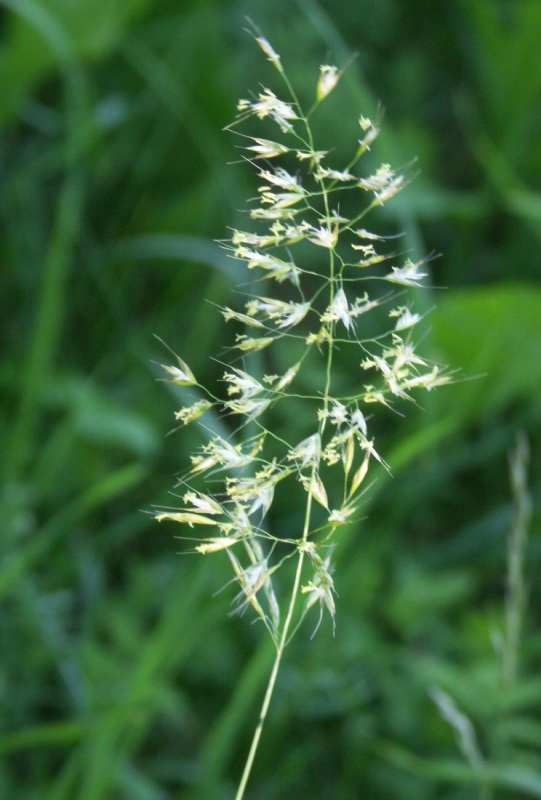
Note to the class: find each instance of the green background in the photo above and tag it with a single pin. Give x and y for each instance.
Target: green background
(122, 674)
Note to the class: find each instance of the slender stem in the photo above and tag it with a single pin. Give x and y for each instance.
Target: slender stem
(296, 584)
(278, 658)
(283, 641)
(272, 679)
(516, 591)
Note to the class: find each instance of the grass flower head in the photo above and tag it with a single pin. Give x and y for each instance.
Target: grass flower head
(323, 276)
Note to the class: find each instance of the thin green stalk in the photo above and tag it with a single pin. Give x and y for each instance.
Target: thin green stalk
(271, 684)
(277, 660)
(296, 585)
(516, 590)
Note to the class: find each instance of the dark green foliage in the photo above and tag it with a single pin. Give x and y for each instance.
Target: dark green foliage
(122, 675)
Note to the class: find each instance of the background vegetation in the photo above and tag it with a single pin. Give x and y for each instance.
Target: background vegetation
(121, 673)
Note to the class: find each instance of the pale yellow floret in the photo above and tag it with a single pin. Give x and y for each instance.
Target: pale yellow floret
(328, 78)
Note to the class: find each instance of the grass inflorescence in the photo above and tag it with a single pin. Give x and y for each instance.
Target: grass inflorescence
(315, 273)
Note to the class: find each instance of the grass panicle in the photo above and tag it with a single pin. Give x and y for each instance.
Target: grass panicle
(314, 275)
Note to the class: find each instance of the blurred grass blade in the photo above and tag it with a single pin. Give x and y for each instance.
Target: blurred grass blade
(178, 248)
(46, 334)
